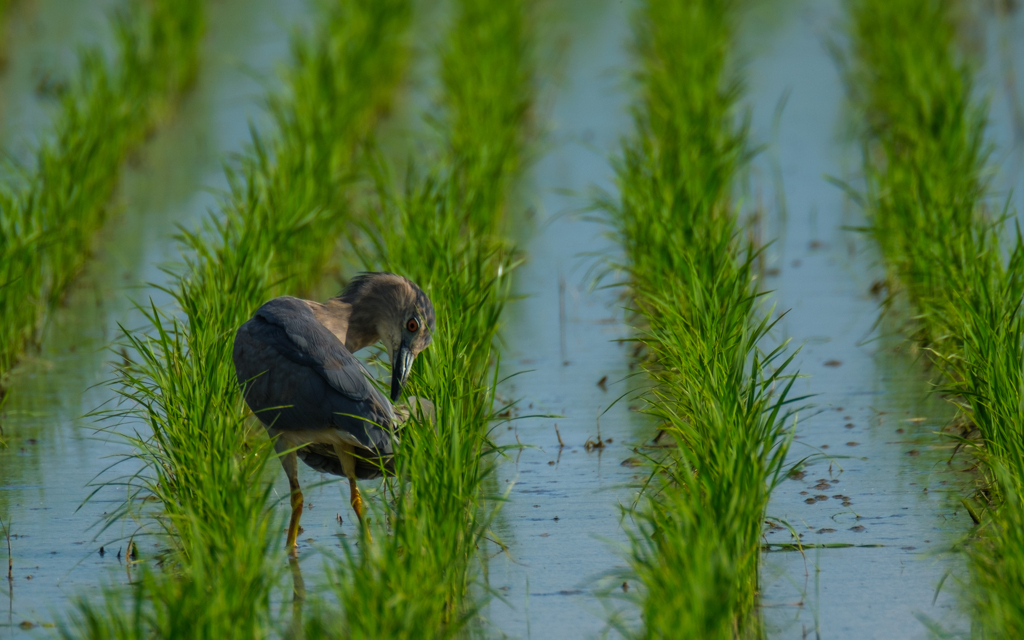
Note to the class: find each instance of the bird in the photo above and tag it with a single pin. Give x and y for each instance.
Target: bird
(295, 367)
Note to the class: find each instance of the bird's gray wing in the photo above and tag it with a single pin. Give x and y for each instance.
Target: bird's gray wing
(298, 376)
(292, 329)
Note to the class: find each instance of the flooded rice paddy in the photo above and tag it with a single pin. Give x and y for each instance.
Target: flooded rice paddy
(880, 478)
(55, 453)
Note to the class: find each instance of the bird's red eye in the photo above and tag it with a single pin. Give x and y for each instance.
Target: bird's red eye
(412, 325)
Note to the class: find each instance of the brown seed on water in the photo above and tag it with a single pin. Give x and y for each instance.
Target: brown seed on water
(821, 497)
(810, 500)
(625, 586)
(913, 452)
(853, 444)
(847, 503)
(803, 493)
(833, 363)
(603, 383)
(849, 425)
(826, 530)
(859, 527)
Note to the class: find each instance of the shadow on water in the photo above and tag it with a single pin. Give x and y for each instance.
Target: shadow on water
(54, 453)
(562, 516)
(885, 480)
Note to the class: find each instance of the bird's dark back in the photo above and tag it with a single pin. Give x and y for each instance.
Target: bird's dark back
(298, 376)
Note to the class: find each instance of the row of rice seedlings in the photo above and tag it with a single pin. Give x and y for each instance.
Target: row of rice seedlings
(280, 223)
(442, 229)
(695, 538)
(49, 212)
(944, 246)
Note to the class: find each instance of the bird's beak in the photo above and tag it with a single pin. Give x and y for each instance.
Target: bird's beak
(401, 364)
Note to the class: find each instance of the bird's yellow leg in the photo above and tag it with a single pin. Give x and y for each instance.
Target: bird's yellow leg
(291, 469)
(348, 465)
(293, 524)
(357, 499)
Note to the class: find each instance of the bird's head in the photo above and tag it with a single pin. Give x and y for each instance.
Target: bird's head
(398, 312)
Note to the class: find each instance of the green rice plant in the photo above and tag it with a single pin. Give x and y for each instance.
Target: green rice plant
(281, 223)
(415, 578)
(987, 378)
(926, 170)
(925, 157)
(49, 212)
(695, 546)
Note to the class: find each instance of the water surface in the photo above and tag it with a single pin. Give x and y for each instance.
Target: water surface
(563, 514)
(878, 477)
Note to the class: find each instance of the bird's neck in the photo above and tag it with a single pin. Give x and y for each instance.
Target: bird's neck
(336, 315)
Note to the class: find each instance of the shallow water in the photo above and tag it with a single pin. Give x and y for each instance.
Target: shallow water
(54, 453)
(563, 513)
(1000, 46)
(872, 424)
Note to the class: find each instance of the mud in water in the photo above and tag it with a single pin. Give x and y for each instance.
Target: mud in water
(563, 513)
(880, 476)
(54, 452)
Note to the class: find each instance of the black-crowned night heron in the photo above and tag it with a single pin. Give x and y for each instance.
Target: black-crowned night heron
(294, 361)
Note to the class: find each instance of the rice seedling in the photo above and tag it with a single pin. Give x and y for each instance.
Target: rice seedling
(695, 544)
(49, 212)
(944, 246)
(281, 222)
(442, 229)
